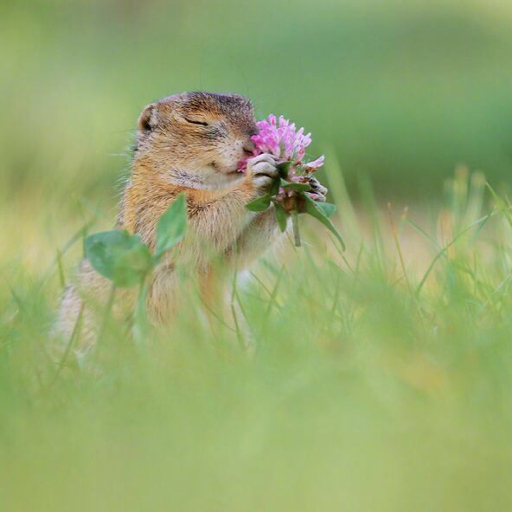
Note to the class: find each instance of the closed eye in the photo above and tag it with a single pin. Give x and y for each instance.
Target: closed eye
(192, 121)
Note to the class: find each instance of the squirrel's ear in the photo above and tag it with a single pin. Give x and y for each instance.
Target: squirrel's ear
(147, 119)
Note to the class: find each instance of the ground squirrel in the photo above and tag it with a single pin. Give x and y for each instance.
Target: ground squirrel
(192, 143)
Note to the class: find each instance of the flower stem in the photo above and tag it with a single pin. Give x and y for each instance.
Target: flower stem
(140, 323)
(295, 226)
(106, 315)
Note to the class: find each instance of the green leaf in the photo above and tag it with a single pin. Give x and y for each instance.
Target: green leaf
(313, 209)
(293, 185)
(284, 169)
(260, 204)
(281, 217)
(328, 209)
(274, 189)
(171, 226)
(118, 256)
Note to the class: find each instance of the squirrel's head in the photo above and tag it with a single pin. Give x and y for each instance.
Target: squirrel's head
(199, 136)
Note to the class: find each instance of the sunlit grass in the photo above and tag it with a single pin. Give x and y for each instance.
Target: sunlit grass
(377, 379)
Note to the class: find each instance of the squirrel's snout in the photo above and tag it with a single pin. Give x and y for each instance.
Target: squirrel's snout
(248, 147)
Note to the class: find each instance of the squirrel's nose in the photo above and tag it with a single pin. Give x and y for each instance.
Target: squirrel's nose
(249, 147)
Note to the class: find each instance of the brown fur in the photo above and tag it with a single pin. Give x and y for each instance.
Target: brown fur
(174, 154)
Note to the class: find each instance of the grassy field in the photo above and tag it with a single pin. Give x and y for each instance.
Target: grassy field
(378, 379)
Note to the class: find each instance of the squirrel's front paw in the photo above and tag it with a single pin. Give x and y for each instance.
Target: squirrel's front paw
(318, 191)
(262, 171)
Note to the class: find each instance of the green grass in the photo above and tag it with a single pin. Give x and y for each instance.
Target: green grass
(380, 379)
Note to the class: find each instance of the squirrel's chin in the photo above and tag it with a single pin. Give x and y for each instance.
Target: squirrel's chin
(215, 177)
(230, 175)
(230, 172)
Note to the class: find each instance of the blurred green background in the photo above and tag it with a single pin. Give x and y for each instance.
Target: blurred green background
(403, 90)
(368, 391)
